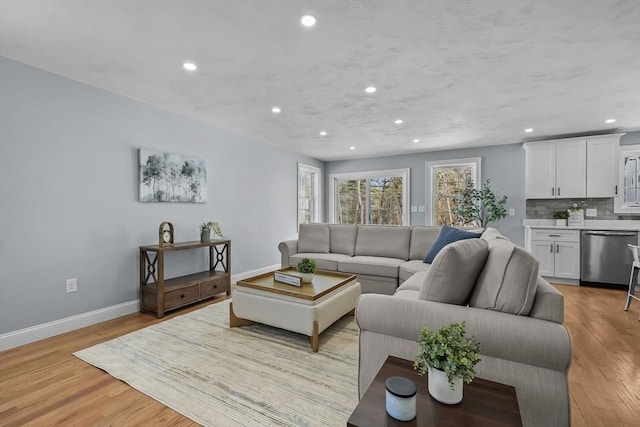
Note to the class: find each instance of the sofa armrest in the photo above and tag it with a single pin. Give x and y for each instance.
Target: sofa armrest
(501, 335)
(287, 248)
(548, 303)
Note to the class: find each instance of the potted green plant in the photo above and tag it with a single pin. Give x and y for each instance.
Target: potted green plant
(561, 217)
(478, 207)
(307, 268)
(449, 359)
(205, 231)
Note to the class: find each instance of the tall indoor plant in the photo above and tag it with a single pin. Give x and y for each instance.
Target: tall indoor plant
(449, 358)
(478, 207)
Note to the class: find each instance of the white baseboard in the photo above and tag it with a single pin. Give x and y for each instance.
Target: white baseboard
(57, 327)
(247, 274)
(61, 326)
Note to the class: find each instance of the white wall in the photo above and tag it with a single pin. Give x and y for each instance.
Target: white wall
(69, 188)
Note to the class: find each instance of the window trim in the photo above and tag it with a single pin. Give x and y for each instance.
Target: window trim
(432, 165)
(404, 173)
(317, 206)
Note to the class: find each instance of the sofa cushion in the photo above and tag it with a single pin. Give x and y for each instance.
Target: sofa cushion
(409, 268)
(313, 238)
(446, 236)
(343, 238)
(391, 241)
(508, 280)
(327, 262)
(413, 283)
(454, 271)
(491, 234)
(422, 239)
(371, 265)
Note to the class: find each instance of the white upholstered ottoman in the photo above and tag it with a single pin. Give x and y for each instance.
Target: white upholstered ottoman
(308, 310)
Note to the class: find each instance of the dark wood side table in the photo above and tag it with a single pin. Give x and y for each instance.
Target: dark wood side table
(485, 403)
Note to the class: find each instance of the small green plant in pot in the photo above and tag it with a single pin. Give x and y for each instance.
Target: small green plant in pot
(307, 267)
(449, 359)
(206, 228)
(561, 217)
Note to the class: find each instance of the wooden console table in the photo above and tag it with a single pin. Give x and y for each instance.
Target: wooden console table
(158, 294)
(485, 403)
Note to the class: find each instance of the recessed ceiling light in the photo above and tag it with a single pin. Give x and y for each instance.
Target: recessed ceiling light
(276, 110)
(323, 133)
(189, 66)
(528, 130)
(610, 121)
(370, 89)
(415, 141)
(398, 121)
(308, 21)
(352, 148)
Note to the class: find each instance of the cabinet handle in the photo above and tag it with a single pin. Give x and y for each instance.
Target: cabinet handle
(553, 191)
(181, 295)
(215, 286)
(558, 191)
(551, 248)
(557, 249)
(616, 190)
(554, 235)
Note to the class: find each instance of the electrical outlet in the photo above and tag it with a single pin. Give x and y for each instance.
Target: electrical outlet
(592, 212)
(512, 212)
(420, 208)
(414, 208)
(72, 285)
(206, 257)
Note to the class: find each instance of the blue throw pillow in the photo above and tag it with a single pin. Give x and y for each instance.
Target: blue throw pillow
(448, 235)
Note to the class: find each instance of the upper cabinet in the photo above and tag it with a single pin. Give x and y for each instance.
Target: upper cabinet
(602, 158)
(556, 169)
(572, 167)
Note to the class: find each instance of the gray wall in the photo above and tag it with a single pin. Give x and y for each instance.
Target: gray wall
(69, 188)
(503, 165)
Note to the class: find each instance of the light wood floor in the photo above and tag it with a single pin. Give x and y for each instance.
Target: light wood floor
(43, 384)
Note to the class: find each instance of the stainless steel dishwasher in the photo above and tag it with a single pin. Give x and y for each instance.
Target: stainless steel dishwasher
(605, 258)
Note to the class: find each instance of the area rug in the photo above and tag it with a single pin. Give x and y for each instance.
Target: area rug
(248, 376)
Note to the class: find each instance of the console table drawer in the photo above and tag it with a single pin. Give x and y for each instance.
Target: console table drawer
(181, 296)
(214, 286)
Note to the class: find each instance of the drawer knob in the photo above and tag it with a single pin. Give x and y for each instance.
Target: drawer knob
(181, 295)
(215, 286)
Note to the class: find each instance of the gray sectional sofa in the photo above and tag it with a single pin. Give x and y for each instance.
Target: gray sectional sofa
(382, 256)
(489, 283)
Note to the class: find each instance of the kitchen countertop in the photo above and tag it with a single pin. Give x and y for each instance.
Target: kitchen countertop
(588, 224)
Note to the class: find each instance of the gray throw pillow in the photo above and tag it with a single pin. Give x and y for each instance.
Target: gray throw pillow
(313, 238)
(508, 281)
(454, 271)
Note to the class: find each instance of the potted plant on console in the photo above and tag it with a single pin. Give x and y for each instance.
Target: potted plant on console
(307, 267)
(449, 359)
(205, 231)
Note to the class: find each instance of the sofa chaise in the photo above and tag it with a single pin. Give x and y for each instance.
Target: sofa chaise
(516, 316)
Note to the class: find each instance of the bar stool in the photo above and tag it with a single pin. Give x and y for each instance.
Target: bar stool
(636, 265)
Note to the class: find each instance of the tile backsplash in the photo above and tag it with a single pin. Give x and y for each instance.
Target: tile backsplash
(544, 208)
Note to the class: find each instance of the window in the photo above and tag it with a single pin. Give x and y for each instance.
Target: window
(308, 194)
(376, 197)
(445, 178)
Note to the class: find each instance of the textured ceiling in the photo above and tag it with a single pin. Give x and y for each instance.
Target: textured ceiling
(459, 73)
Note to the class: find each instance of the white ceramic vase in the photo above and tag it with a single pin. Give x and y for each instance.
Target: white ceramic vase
(440, 390)
(307, 277)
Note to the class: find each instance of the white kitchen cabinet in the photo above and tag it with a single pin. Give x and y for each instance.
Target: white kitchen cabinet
(558, 252)
(556, 169)
(602, 165)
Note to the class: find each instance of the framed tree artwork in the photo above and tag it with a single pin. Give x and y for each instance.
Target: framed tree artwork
(168, 177)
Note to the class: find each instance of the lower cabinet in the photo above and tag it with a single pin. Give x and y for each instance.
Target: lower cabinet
(558, 252)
